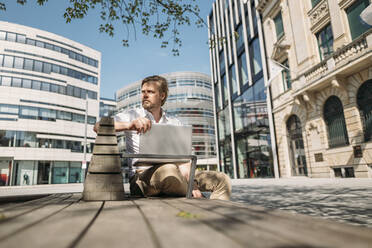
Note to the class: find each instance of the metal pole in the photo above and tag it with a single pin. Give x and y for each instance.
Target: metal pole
(84, 165)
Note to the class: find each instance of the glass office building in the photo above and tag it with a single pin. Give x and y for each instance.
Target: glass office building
(240, 96)
(190, 100)
(44, 82)
(107, 107)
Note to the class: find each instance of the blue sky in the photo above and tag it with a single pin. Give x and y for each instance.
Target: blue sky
(120, 65)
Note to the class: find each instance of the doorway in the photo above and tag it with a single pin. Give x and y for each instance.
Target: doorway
(43, 172)
(296, 147)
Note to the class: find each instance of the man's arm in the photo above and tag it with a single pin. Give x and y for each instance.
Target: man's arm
(141, 125)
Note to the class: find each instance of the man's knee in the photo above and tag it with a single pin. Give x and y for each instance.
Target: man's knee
(216, 182)
(164, 171)
(169, 180)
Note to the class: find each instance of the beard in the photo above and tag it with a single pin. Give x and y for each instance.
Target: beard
(147, 105)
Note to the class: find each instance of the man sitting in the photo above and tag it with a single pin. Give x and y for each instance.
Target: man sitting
(162, 179)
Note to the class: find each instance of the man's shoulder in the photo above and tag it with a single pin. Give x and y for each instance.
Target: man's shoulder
(130, 114)
(171, 119)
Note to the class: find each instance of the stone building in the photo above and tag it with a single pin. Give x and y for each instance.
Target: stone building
(322, 103)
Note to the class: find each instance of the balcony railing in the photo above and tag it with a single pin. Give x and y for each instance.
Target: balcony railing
(342, 56)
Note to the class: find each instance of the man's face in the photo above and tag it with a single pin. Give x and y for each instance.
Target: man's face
(151, 96)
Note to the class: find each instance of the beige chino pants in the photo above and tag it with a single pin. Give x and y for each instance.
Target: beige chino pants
(167, 180)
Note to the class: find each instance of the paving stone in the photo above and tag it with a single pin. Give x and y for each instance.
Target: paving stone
(343, 200)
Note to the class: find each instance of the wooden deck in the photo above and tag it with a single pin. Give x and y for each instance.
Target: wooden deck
(64, 220)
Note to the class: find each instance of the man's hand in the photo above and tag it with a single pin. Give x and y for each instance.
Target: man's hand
(95, 128)
(197, 194)
(141, 125)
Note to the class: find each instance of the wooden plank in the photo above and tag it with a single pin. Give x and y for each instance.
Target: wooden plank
(298, 229)
(27, 207)
(103, 187)
(31, 219)
(106, 140)
(233, 228)
(106, 130)
(174, 230)
(120, 224)
(106, 121)
(105, 150)
(63, 229)
(105, 163)
(14, 204)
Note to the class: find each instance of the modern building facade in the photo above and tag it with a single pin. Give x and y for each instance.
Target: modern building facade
(322, 104)
(190, 100)
(246, 144)
(107, 107)
(44, 82)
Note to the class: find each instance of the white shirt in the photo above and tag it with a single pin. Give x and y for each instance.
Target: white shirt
(132, 138)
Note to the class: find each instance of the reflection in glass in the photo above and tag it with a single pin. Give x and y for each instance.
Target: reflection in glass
(243, 69)
(256, 55)
(233, 81)
(252, 133)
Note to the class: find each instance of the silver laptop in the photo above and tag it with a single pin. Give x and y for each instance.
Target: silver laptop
(163, 139)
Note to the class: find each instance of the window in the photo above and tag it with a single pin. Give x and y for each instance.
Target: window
(18, 63)
(36, 85)
(47, 68)
(40, 44)
(225, 90)
(222, 63)
(357, 27)
(78, 118)
(243, 69)
(8, 109)
(239, 37)
(286, 77)
(47, 114)
(335, 121)
(256, 56)
(45, 86)
(314, 2)
(2, 35)
(8, 61)
(48, 46)
(70, 90)
(28, 64)
(16, 82)
(11, 37)
(29, 112)
(325, 41)
(62, 89)
(21, 38)
(38, 66)
(233, 81)
(279, 25)
(63, 115)
(55, 68)
(30, 42)
(54, 88)
(364, 101)
(6, 81)
(26, 83)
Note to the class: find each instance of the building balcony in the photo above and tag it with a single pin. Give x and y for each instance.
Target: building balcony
(342, 63)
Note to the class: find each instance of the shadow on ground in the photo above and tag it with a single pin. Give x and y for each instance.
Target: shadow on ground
(347, 205)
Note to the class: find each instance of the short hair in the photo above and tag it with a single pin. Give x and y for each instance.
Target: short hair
(162, 85)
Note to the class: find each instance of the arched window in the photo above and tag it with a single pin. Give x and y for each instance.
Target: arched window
(335, 121)
(364, 101)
